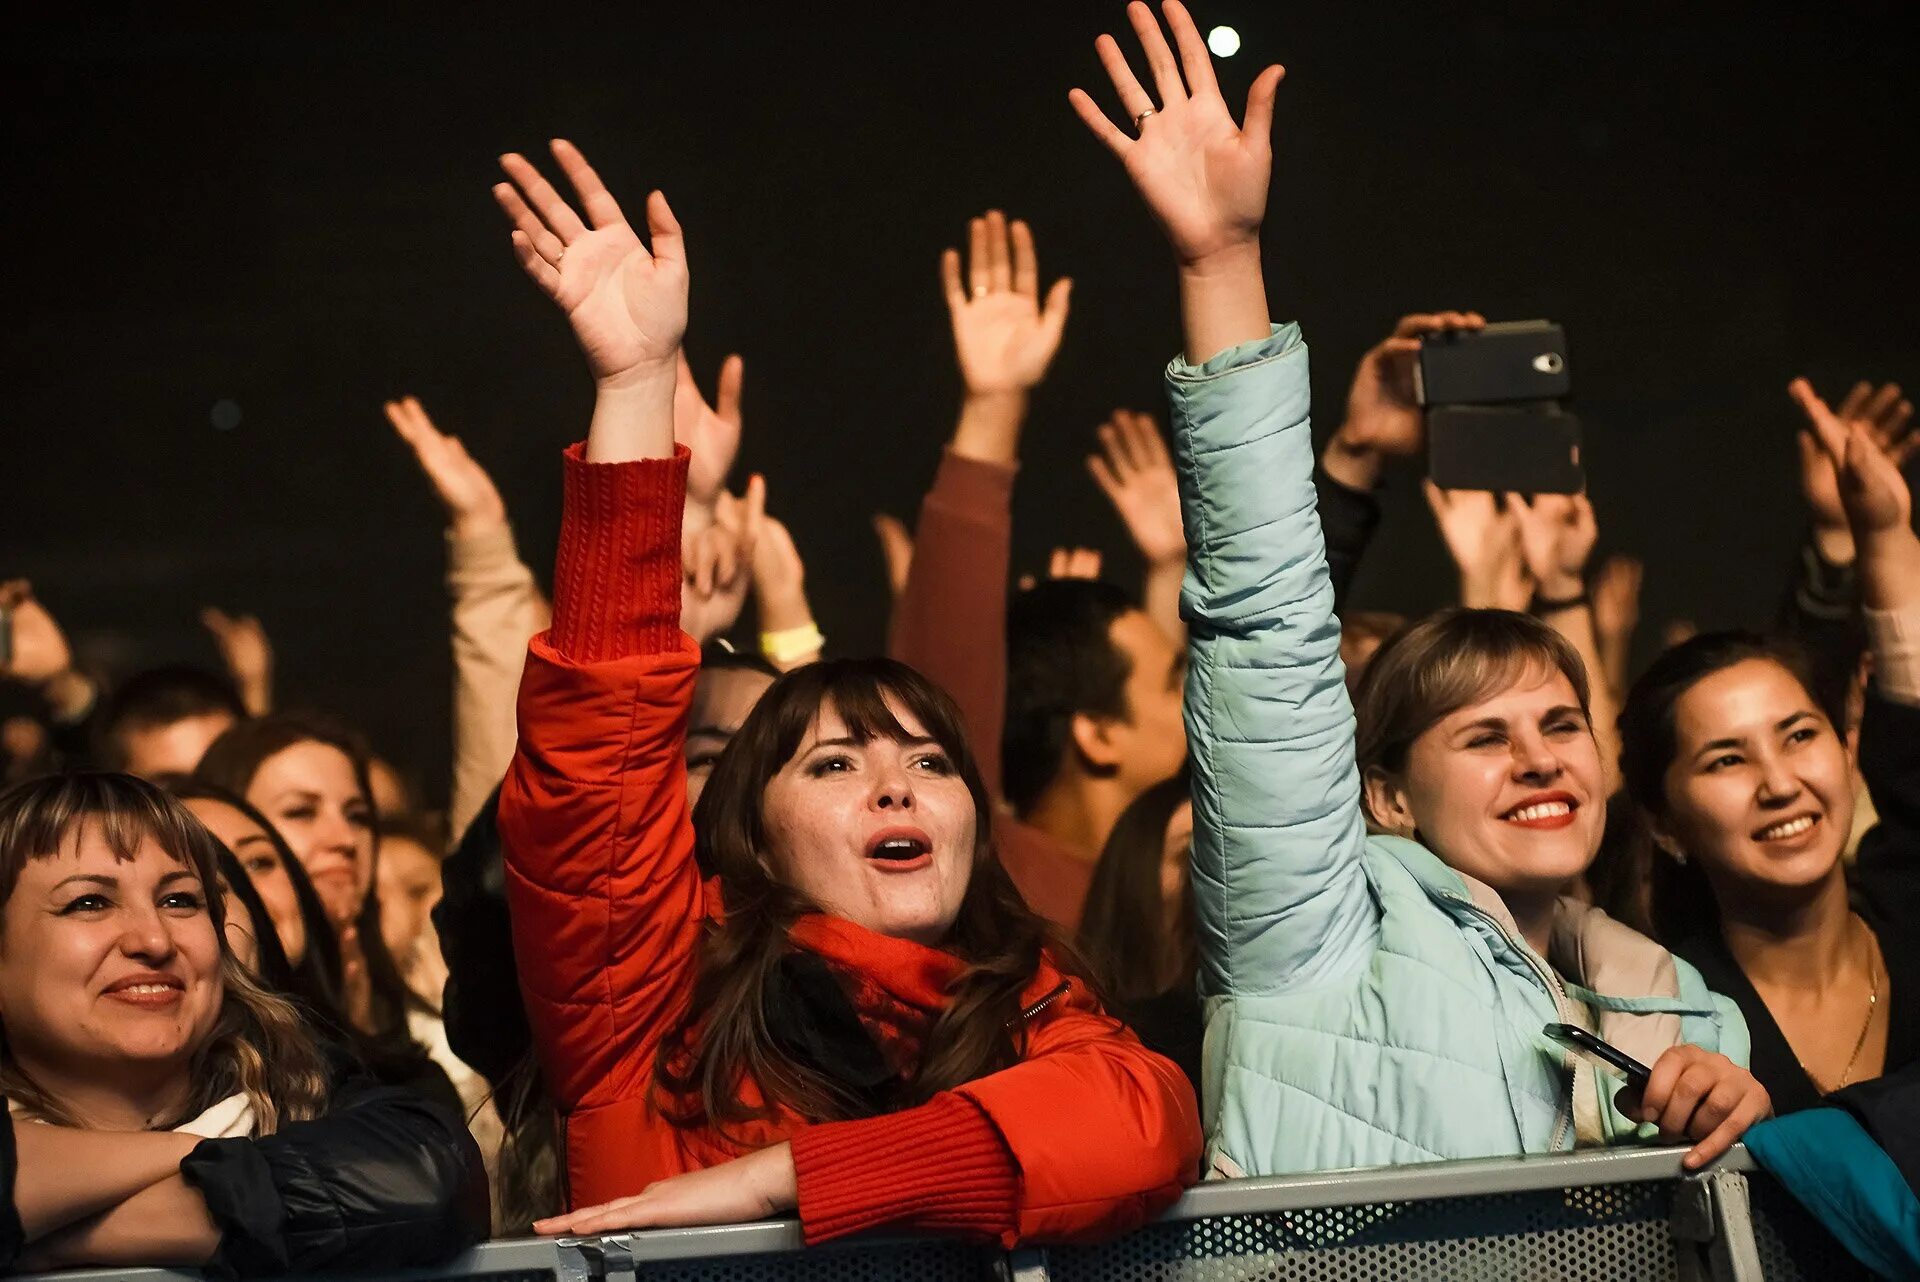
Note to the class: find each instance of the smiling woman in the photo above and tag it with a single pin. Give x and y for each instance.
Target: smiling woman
(163, 1107)
(1750, 790)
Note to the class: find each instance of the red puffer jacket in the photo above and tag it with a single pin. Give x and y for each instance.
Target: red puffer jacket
(1090, 1135)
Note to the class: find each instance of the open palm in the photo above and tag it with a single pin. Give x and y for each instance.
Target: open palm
(1204, 177)
(627, 304)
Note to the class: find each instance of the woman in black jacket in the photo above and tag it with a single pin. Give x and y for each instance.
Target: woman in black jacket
(165, 1108)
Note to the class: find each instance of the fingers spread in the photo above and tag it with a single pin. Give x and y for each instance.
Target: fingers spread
(1153, 45)
(1133, 99)
(602, 209)
(1194, 58)
(1096, 120)
(546, 202)
(1026, 263)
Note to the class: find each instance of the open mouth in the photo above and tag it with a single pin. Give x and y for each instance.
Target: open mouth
(1546, 811)
(1788, 829)
(900, 849)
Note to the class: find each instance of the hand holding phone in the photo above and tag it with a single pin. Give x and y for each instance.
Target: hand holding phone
(1600, 1053)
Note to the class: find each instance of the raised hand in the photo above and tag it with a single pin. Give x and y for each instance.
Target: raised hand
(718, 564)
(1136, 474)
(627, 303)
(1003, 335)
(896, 547)
(1383, 418)
(1874, 496)
(466, 491)
(711, 433)
(1616, 613)
(1557, 534)
(38, 651)
(1203, 177)
(247, 654)
(1884, 415)
(789, 638)
(1484, 541)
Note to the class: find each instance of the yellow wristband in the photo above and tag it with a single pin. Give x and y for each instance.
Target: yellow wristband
(792, 644)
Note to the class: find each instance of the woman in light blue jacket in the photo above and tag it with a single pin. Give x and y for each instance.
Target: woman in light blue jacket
(1374, 999)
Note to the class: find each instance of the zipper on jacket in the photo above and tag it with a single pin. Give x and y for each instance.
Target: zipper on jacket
(1046, 1001)
(1555, 989)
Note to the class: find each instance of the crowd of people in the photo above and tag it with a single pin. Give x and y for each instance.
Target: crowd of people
(1080, 893)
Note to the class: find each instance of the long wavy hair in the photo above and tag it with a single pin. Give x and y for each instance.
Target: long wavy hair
(230, 764)
(724, 1038)
(258, 1047)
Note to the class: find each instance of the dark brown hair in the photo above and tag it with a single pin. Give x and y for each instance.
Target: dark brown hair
(259, 1046)
(232, 761)
(1123, 929)
(1446, 662)
(724, 1039)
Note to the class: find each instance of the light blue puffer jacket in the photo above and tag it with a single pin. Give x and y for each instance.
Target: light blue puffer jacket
(1365, 1003)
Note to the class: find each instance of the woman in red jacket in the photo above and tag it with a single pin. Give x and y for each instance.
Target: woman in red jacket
(855, 1017)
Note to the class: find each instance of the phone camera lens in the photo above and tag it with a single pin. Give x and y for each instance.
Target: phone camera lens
(1549, 363)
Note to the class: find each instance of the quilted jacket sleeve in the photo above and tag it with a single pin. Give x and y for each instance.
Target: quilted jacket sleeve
(1278, 835)
(383, 1181)
(1106, 1133)
(605, 899)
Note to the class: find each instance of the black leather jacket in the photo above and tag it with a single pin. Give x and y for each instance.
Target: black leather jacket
(383, 1180)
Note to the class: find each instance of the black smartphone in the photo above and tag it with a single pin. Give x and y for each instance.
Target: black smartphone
(1528, 449)
(1581, 1042)
(1508, 361)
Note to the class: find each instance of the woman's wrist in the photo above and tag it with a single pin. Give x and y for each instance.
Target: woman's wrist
(633, 415)
(989, 426)
(1223, 301)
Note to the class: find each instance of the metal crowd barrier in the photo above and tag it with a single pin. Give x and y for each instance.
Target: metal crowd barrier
(1630, 1214)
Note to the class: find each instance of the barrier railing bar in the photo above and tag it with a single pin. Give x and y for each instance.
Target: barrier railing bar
(1435, 1180)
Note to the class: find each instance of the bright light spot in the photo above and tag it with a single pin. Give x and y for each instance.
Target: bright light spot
(1224, 41)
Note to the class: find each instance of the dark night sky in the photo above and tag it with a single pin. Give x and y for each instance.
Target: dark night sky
(297, 219)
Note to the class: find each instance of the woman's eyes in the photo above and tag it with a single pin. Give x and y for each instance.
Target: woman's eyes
(1805, 734)
(1567, 727)
(1488, 740)
(262, 864)
(86, 904)
(933, 763)
(1724, 761)
(183, 900)
(178, 901)
(830, 765)
(302, 814)
(937, 763)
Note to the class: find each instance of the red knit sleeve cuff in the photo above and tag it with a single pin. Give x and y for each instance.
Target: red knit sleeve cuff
(616, 579)
(941, 1167)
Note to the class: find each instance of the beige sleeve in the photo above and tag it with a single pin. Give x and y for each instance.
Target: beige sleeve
(497, 609)
(1895, 638)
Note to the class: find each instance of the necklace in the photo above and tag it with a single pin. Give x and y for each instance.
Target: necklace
(1860, 1042)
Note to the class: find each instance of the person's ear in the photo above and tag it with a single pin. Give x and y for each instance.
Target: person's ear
(1386, 799)
(1663, 841)
(1096, 741)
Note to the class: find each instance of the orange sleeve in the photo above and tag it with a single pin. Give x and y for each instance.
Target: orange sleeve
(1106, 1133)
(606, 901)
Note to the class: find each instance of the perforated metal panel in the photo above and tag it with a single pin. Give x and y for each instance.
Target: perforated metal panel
(1616, 1231)
(928, 1261)
(1793, 1246)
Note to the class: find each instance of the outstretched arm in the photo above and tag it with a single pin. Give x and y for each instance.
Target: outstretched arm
(950, 620)
(1136, 474)
(606, 901)
(1278, 831)
(497, 608)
